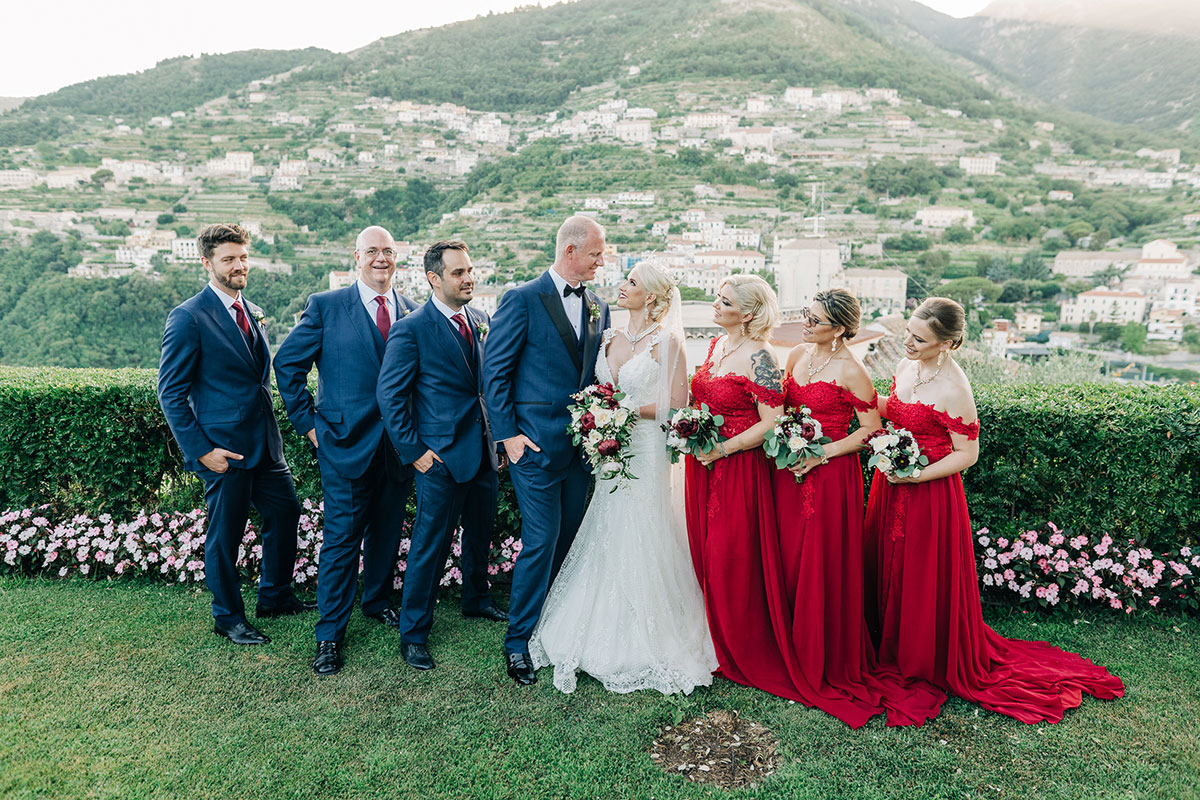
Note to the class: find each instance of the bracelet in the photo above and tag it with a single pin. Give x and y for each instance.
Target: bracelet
(824, 460)
(721, 447)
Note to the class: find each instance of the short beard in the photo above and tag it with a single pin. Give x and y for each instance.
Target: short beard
(227, 282)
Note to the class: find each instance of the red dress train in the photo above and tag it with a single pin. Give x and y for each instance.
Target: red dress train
(926, 611)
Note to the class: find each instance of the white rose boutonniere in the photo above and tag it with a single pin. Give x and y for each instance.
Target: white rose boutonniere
(259, 317)
(593, 311)
(481, 330)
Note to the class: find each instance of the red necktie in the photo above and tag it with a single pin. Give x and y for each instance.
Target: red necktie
(242, 322)
(462, 327)
(382, 320)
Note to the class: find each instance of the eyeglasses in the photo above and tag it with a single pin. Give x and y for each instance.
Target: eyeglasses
(387, 252)
(811, 319)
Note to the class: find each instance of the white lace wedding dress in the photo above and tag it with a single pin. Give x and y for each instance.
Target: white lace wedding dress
(626, 607)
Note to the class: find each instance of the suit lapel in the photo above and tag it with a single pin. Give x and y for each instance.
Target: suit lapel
(590, 334)
(262, 349)
(362, 323)
(558, 316)
(474, 324)
(447, 334)
(220, 316)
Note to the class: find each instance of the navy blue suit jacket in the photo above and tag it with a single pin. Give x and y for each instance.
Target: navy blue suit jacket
(535, 363)
(214, 390)
(431, 391)
(339, 336)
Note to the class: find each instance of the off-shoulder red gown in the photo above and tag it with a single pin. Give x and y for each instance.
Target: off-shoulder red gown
(926, 614)
(730, 520)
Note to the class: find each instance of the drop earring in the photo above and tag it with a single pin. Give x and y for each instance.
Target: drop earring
(941, 357)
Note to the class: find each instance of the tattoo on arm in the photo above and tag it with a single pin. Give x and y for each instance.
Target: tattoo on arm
(766, 371)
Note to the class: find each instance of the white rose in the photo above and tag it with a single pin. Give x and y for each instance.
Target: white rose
(817, 426)
(594, 437)
(884, 464)
(795, 443)
(621, 417)
(603, 417)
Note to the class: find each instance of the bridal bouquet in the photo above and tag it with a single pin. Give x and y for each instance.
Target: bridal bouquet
(602, 420)
(691, 431)
(795, 437)
(894, 451)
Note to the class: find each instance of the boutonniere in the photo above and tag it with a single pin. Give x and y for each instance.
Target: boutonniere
(259, 318)
(593, 311)
(481, 330)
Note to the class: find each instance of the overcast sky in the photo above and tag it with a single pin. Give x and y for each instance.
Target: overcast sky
(59, 42)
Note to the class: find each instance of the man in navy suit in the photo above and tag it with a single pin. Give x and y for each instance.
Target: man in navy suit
(344, 333)
(431, 395)
(543, 347)
(214, 386)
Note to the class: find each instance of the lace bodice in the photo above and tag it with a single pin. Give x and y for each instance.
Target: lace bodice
(735, 397)
(831, 405)
(931, 427)
(639, 375)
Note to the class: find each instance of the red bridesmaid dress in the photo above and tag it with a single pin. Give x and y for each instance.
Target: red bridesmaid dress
(730, 521)
(920, 563)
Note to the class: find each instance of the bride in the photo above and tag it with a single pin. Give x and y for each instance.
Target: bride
(626, 607)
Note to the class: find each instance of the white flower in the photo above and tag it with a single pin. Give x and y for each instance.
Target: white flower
(594, 438)
(884, 464)
(916, 473)
(795, 443)
(621, 417)
(603, 417)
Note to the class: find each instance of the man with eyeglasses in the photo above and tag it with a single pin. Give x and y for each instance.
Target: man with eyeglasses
(366, 487)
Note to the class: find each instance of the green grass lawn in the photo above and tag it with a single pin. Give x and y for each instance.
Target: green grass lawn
(121, 690)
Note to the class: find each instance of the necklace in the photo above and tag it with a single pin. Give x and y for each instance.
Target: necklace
(726, 352)
(922, 381)
(635, 338)
(812, 372)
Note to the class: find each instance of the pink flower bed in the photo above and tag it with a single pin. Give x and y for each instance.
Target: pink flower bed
(170, 546)
(1054, 567)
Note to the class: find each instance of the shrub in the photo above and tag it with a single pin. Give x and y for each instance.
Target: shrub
(1123, 460)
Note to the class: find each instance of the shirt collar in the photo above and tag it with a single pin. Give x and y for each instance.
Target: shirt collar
(559, 281)
(368, 294)
(446, 310)
(226, 300)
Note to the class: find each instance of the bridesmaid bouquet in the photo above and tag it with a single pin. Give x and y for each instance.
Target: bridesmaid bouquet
(602, 420)
(691, 431)
(795, 437)
(894, 451)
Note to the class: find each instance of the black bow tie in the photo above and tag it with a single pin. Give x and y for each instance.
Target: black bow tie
(577, 291)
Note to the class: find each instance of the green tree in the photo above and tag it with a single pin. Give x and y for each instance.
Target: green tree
(1133, 337)
(970, 292)
(1032, 267)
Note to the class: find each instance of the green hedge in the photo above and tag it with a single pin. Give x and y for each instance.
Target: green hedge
(1099, 458)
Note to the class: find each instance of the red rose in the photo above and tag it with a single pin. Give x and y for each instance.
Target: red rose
(587, 422)
(608, 447)
(808, 431)
(687, 428)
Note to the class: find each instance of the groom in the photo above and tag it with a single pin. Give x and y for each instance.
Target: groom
(543, 347)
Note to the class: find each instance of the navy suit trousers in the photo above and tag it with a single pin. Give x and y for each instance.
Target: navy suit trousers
(442, 502)
(361, 515)
(229, 495)
(552, 505)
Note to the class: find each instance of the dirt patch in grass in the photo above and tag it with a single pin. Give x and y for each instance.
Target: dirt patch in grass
(719, 748)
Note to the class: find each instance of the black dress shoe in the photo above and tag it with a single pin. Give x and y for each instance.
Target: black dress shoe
(389, 616)
(490, 613)
(329, 658)
(240, 632)
(292, 605)
(417, 656)
(520, 669)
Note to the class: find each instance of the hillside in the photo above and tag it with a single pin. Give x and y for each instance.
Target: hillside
(1065, 55)
(175, 84)
(1160, 17)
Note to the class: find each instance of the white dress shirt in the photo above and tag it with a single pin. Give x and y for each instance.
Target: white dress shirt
(368, 296)
(572, 304)
(447, 311)
(228, 302)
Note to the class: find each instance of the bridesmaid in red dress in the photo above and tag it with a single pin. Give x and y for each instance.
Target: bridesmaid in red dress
(820, 520)
(920, 558)
(730, 511)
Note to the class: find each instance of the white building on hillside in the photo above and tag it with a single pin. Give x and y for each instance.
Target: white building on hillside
(979, 164)
(804, 267)
(1105, 305)
(945, 217)
(883, 289)
(1086, 263)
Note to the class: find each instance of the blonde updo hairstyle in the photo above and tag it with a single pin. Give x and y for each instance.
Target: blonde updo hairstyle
(656, 281)
(754, 296)
(842, 308)
(945, 318)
